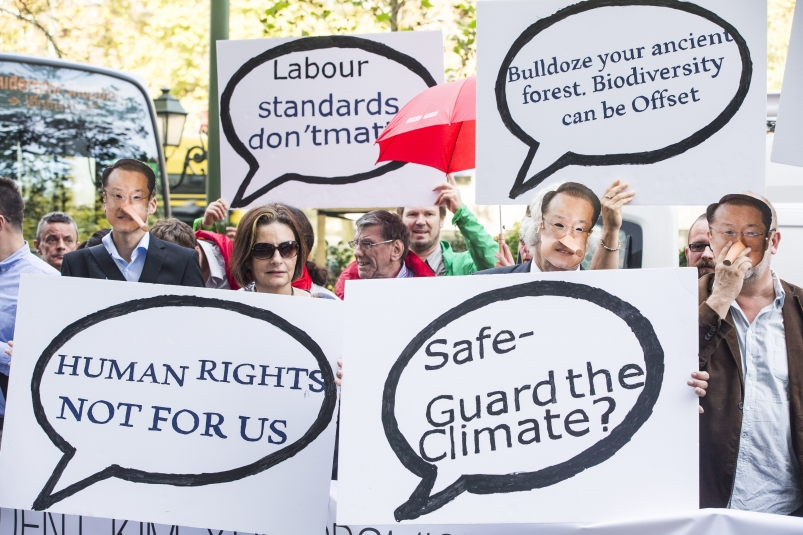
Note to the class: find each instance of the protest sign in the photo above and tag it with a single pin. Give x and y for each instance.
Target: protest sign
(557, 397)
(789, 124)
(299, 118)
(667, 95)
(171, 405)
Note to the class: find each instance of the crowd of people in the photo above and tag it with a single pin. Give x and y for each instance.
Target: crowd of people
(750, 380)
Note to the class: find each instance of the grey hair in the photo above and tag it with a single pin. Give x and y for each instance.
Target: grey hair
(531, 224)
(55, 217)
(393, 228)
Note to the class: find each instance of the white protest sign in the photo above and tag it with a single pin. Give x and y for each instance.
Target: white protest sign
(667, 95)
(557, 397)
(171, 405)
(299, 118)
(789, 124)
(702, 522)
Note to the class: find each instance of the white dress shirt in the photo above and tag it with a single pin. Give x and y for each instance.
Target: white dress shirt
(132, 271)
(535, 269)
(767, 473)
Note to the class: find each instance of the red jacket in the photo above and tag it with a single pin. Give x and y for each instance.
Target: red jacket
(418, 267)
(225, 245)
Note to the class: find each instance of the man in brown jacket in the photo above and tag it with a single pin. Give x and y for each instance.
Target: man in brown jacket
(751, 344)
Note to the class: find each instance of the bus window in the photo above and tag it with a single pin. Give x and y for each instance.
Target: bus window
(60, 126)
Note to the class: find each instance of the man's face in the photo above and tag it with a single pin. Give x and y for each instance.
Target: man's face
(378, 261)
(569, 219)
(740, 219)
(127, 188)
(704, 260)
(425, 225)
(56, 240)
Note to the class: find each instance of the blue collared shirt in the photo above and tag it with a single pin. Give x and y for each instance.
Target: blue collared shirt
(130, 270)
(767, 479)
(22, 261)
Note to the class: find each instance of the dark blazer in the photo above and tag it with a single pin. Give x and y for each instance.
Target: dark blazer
(721, 423)
(165, 263)
(515, 268)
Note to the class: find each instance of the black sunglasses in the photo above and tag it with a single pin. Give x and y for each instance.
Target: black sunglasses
(265, 251)
(699, 247)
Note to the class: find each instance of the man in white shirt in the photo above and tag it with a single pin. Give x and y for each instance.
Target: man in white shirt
(751, 344)
(129, 252)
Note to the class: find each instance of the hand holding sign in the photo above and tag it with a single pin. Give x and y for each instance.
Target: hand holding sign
(614, 83)
(309, 110)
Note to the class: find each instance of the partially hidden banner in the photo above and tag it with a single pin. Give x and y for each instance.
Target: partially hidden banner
(171, 405)
(667, 95)
(299, 118)
(520, 398)
(789, 125)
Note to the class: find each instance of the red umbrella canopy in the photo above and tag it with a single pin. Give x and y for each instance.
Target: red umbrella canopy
(436, 128)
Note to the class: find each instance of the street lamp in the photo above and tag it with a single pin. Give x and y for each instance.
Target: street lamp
(170, 118)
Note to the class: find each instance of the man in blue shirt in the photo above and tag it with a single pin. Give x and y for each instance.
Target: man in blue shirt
(15, 259)
(129, 252)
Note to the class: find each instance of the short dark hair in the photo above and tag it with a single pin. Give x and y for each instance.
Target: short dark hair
(392, 227)
(688, 235)
(579, 191)
(241, 255)
(55, 217)
(135, 166)
(95, 239)
(739, 199)
(174, 231)
(441, 211)
(12, 207)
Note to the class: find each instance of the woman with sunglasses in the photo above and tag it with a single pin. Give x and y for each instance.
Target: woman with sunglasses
(269, 252)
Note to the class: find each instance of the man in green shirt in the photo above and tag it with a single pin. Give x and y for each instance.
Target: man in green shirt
(425, 223)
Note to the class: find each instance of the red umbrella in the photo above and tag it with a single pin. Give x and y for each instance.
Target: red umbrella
(436, 128)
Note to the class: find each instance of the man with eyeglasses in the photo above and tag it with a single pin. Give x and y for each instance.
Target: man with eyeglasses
(15, 259)
(129, 252)
(381, 246)
(751, 345)
(698, 251)
(567, 217)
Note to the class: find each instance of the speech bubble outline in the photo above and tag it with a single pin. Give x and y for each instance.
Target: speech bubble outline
(305, 45)
(421, 502)
(47, 498)
(523, 184)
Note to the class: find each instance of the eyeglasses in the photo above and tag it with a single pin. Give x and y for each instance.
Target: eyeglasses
(699, 247)
(559, 230)
(748, 236)
(265, 251)
(118, 198)
(366, 245)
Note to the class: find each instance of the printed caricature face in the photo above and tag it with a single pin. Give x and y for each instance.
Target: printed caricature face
(274, 274)
(129, 190)
(741, 219)
(568, 219)
(704, 261)
(378, 261)
(56, 240)
(425, 225)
